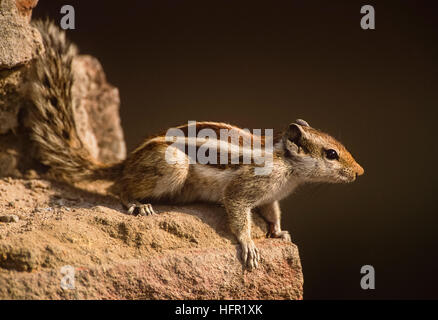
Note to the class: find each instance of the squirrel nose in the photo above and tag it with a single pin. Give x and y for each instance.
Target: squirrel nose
(360, 171)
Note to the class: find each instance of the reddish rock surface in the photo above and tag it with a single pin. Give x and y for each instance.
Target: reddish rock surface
(19, 42)
(97, 110)
(25, 7)
(181, 253)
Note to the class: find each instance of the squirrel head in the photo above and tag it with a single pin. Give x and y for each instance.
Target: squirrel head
(318, 157)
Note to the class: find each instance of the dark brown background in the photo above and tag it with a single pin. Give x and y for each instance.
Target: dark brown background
(262, 66)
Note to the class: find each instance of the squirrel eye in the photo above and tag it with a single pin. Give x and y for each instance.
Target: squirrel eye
(331, 154)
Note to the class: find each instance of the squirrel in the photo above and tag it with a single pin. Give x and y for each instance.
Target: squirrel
(300, 154)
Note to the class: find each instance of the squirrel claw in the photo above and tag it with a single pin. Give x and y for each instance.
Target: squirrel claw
(141, 209)
(250, 255)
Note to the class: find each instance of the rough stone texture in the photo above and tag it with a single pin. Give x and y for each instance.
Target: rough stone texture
(96, 101)
(9, 218)
(25, 7)
(182, 253)
(10, 100)
(97, 110)
(19, 42)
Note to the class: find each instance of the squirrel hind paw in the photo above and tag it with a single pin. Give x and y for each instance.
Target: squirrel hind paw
(284, 235)
(138, 208)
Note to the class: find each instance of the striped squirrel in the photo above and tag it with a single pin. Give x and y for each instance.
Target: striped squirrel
(300, 154)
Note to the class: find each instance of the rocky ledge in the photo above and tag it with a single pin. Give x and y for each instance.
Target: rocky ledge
(181, 253)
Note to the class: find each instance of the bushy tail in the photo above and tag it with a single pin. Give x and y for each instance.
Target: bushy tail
(50, 113)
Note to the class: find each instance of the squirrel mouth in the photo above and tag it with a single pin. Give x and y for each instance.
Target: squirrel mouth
(347, 178)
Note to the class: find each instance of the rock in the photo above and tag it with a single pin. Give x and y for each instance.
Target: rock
(10, 100)
(184, 252)
(8, 162)
(25, 7)
(97, 110)
(19, 42)
(9, 218)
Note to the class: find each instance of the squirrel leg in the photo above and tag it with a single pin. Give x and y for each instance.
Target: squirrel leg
(240, 223)
(272, 213)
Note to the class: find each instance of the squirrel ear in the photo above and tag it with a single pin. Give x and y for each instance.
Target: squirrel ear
(294, 133)
(302, 122)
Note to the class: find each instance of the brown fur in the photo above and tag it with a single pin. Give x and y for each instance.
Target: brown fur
(298, 157)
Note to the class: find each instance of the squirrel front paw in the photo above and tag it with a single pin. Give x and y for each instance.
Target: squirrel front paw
(250, 254)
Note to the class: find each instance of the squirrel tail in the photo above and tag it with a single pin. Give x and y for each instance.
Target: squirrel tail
(51, 113)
